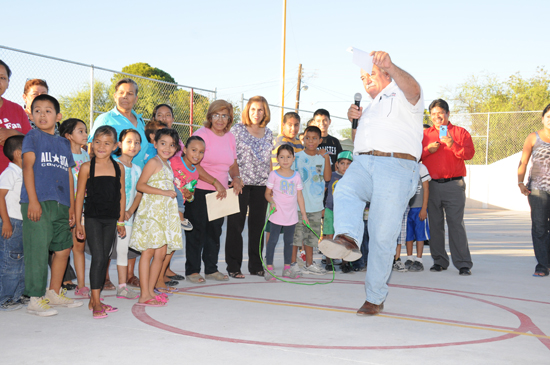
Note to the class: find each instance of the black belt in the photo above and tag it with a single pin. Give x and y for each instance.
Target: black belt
(441, 181)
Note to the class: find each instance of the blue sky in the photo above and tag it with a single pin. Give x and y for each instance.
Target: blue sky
(235, 46)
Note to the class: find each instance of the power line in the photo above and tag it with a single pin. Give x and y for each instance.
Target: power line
(328, 91)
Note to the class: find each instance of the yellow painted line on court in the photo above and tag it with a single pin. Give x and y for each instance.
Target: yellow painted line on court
(354, 312)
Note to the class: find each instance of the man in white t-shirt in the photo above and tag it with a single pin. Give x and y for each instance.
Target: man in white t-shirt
(388, 145)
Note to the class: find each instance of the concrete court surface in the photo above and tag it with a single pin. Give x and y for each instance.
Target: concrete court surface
(499, 315)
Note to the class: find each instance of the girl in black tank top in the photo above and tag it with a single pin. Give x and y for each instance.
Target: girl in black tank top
(102, 182)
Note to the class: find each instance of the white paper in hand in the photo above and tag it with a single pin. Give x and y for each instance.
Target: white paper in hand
(361, 59)
(220, 208)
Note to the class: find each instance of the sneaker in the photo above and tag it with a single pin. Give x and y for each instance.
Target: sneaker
(10, 306)
(417, 266)
(40, 307)
(186, 225)
(293, 273)
(126, 293)
(61, 300)
(399, 266)
(25, 299)
(408, 264)
(82, 292)
(314, 269)
(268, 276)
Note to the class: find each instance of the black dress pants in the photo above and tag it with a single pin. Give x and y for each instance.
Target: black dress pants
(253, 200)
(204, 238)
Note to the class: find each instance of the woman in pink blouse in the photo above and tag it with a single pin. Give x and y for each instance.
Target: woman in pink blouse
(219, 163)
(254, 145)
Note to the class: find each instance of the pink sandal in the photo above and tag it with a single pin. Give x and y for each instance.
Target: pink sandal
(109, 308)
(162, 298)
(152, 303)
(99, 314)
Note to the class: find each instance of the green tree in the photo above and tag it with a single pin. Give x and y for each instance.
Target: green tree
(145, 70)
(485, 93)
(77, 104)
(151, 93)
(180, 102)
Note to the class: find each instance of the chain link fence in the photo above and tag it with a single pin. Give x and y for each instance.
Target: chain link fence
(86, 91)
(497, 135)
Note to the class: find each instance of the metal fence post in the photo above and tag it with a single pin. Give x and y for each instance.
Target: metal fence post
(215, 93)
(487, 140)
(242, 102)
(485, 204)
(191, 102)
(91, 97)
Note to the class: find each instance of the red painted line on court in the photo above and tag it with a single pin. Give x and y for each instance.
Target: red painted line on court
(526, 324)
(139, 313)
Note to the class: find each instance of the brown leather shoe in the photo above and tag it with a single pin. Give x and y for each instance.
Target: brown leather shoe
(369, 309)
(341, 247)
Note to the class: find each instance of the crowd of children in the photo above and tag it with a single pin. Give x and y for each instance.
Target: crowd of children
(54, 197)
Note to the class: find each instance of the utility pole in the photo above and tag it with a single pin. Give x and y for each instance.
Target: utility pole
(298, 88)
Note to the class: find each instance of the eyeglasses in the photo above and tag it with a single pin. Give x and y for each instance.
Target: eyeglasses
(218, 116)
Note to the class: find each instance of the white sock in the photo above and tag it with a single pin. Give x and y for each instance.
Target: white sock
(410, 258)
(419, 259)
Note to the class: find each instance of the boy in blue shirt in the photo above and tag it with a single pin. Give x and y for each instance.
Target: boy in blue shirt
(47, 208)
(314, 168)
(417, 223)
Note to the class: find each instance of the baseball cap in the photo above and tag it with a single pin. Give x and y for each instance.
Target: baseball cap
(345, 154)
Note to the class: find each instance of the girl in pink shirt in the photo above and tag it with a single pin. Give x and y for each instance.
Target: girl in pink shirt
(284, 192)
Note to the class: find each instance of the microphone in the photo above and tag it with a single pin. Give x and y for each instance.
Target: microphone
(357, 98)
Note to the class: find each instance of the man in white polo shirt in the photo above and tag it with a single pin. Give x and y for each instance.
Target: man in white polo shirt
(388, 145)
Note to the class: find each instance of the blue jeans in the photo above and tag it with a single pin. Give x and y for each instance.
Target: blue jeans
(388, 184)
(539, 200)
(179, 198)
(12, 265)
